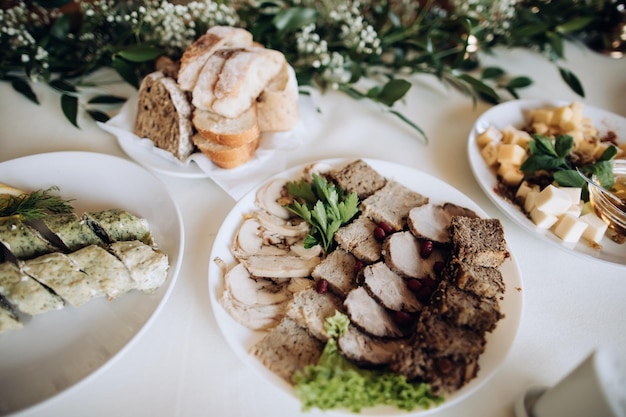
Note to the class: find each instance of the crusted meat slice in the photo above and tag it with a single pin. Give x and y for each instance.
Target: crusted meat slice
(389, 289)
(465, 309)
(478, 241)
(359, 177)
(367, 350)
(392, 203)
(479, 280)
(446, 339)
(447, 374)
(432, 221)
(287, 348)
(339, 270)
(369, 316)
(310, 309)
(401, 252)
(358, 238)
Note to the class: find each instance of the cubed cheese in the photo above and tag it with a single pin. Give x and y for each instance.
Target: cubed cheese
(513, 154)
(562, 115)
(490, 153)
(541, 116)
(510, 174)
(540, 128)
(490, 135)
(541, 219)
(523, 190)
(573, 193)
(596, 228)
(569, 228)
(529, 202)
(553, 200)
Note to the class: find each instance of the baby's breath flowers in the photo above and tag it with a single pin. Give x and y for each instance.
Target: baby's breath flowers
(330, 43)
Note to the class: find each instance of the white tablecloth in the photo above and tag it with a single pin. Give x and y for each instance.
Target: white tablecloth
(182, 366)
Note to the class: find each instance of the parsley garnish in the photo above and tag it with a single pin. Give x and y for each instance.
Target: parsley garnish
(324, 206)
(34, 205)
(546, 155)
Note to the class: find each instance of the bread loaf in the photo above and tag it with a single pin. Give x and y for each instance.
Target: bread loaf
(197, 54)
(164, 115)
(277, 105)
(225, 131)
(227, 157)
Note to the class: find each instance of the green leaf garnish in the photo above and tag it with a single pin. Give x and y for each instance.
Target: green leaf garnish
(34, 205)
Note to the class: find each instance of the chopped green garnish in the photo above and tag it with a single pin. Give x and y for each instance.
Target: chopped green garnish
(336, 383)
(324, 206)
(546, 155)
(34, 205)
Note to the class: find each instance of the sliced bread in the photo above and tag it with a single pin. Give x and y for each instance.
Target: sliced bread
(226, 131)
(164, 115)
(227, 157)
(196, 55)
(244, 75)
(203, 92)
(277, 105)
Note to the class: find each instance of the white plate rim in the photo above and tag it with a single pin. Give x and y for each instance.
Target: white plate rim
(67, 158)
(513, 113)
(499, 343)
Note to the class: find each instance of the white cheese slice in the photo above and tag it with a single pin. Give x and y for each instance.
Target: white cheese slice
(553, 200)
(542, 220)
(596, 227)
(569, 228)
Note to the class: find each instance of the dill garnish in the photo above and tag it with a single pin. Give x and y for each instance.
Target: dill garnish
(34, 205)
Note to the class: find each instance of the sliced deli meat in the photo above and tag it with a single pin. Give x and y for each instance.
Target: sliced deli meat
(369, 316)
(391, 204)
(367, 350)
(310, 309)
(389, 289)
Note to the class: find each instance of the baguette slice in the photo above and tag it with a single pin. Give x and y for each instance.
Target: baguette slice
(225, 131)
(226, 157)
(164, 115)
(203, 94)
(244, 75)
(277, 105)
(196, 55)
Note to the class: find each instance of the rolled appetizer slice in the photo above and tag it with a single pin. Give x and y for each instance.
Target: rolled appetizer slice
(114, 225)
(25, 293)
(8, 317)
(72, 230)
(23, 241)
(148, 266)
(103, 268)
(59, 272)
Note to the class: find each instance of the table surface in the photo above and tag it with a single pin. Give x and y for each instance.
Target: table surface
(182, 365)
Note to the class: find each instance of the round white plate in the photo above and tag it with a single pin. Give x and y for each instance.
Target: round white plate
(56, 350)
(241, 339)
(515, 113)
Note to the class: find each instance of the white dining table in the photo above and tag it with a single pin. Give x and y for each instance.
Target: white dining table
(181, 364)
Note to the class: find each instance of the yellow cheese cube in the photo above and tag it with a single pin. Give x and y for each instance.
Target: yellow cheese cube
(553, 200)
(490, 153)
(510, 174)
(541, 116)
(562, 115)
(513, 154)
(541, 219)
(596, 228)
(569, 228)
(540, 128)
(508, 134)
(490, 135)
(523, 190)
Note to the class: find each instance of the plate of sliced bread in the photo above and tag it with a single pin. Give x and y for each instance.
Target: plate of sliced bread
(226, 104)
(271, 294)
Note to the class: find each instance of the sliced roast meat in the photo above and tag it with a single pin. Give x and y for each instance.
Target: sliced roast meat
(446, 339)
(359, 177)
(465, 309)
(452, 210)
(275, 266)
(480, 280)
(358, 238)
(369, 316)
(430, 222)
(391, 204)
(339, 270)
(281, 227)
(367, 350)
(389, 289)
(254, 292)
(310, 309)
(255, 317)
(402, 253)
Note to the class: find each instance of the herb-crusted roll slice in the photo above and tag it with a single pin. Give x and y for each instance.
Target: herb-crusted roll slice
(25, 293)
(57, 271)
(115, 225)
(72, 230)
(8, 318)
(21, 240)
(105, 269)
(148, 266)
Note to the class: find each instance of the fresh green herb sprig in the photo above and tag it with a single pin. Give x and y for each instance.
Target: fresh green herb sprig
(34, 205)
(553, 157)
(335, 383)
(324, 206)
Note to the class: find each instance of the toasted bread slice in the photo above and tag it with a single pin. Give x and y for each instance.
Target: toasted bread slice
(244, 75)
(196, 55)
(203, 93)
(226, 131)
(227, 157)
(164, 115)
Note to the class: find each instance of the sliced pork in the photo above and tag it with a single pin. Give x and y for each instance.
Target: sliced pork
(369, 316)
(389, 289)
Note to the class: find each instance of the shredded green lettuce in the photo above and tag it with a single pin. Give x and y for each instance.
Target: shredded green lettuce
(335, 383)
